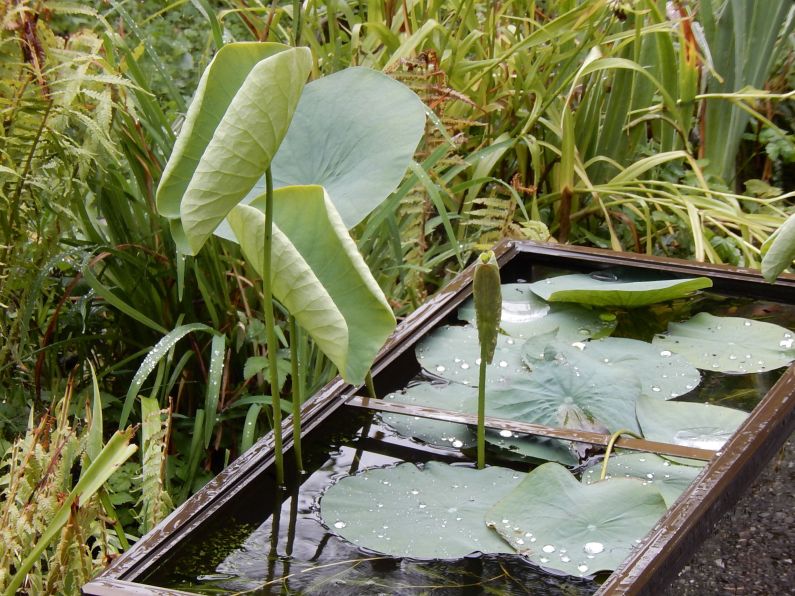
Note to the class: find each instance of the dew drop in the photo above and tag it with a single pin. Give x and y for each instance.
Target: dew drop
(582, 568)
(747, 323)
(458, 444)
(464, 365)
(422, 505)
(565, 558)
(440, 368)
(340, 524)
(415, 492)
(544, 560)
(503, 364)
(506, 433)
(548, 548)
(785, 343)
(665, 353)
(655, 388)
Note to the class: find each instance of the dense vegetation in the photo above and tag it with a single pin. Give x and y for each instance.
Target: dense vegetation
(626, 125)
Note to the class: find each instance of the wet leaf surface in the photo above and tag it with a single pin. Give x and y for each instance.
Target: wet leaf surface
(579, 529)
(437, 512)
(732, 345)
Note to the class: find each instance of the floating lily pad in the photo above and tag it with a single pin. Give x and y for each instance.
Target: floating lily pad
(434, 513)
(516, 446)
(669, 478)
(578, 529)
(525, 315)
(454, 353)
(661, 373)
(704, 426)
(442, 434)
(607, 395)
(729, 344)
(616, 287)
(435, 432)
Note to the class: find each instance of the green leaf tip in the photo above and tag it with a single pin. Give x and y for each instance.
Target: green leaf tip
(240, 114)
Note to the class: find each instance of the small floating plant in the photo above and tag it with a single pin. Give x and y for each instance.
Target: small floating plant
(554, 363)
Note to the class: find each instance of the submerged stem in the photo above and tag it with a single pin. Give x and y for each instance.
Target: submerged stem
(270, 328)
(295, 365)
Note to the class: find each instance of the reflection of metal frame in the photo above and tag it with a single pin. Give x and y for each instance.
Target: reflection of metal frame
(661, 553)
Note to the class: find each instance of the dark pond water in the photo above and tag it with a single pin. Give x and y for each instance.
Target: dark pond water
(274, 542)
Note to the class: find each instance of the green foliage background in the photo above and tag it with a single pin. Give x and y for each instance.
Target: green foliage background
(604, 123)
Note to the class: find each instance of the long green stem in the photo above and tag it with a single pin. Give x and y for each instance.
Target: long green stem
(613, 438)
(295, 365)
(270, 328)
(482, 412)
(296, 23)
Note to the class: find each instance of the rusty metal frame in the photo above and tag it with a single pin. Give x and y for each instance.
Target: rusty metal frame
(661, 553)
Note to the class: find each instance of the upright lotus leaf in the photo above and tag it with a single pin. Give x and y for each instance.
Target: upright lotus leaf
(616, 287)
(525, 315)
(432, 513)
(704, 426)
(669, 478)
(779, 250)
(731, 345)
(454, 353)
(608, 396)
(240, 114)
(454, 397)
(579, 529)
(217, 87)
(662, 374)
(354, 133)
(319, 275)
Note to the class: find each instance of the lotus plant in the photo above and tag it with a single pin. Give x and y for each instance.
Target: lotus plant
(285, 168)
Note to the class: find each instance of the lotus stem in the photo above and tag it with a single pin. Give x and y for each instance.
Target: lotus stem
(368, 381)
(488, 312)
(613, 438)
(270, 328)
(296, 23)
(482, 412)
(295, 365)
